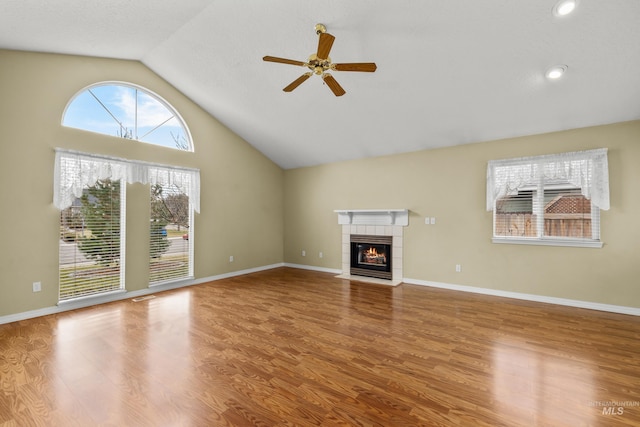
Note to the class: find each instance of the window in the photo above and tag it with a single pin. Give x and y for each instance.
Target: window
(554, 199)
(127, 111)
(89, 191)
(171, 246)
(91, 260)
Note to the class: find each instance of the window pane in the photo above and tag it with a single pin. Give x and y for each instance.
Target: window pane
(567, 213)
(129, 112)
(85, 112)
(90, 242)
(170, 243)
(514, 216)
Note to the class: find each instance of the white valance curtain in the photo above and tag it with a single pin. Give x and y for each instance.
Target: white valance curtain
(74, 171)
(588, 170)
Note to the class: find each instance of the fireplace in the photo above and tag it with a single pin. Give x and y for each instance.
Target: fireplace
(380, 227)
(371, 256)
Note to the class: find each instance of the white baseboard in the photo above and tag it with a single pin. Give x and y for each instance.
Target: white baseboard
(633, 311)
(237, 273)
(314, 268)
(122, 295)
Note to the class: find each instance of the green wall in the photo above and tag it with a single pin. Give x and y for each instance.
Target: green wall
(241, 196)
(450, 185)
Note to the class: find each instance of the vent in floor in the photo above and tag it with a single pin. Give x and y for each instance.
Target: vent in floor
(143, 298)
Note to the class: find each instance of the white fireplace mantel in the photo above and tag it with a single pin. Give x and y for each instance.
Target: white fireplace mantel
(373, 217)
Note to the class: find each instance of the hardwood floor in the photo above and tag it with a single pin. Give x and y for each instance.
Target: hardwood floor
(290, 347)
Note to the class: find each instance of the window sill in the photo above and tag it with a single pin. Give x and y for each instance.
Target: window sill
(548, 242)
(93, 298)
(172, 282)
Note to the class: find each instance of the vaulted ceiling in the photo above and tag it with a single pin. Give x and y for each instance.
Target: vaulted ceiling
(449, 72)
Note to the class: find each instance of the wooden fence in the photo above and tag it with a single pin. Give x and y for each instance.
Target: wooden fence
(556, 225)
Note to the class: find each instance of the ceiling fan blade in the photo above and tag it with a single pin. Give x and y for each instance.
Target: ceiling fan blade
(333, 85)
(283, 60)
(368, 67)
(324, 45)
(297, 82)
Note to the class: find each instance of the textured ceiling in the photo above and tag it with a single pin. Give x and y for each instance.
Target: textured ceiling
(449, 72)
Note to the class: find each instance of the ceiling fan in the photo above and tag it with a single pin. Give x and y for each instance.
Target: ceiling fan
(320, 62)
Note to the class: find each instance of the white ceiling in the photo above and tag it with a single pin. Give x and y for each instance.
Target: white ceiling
(449, 72)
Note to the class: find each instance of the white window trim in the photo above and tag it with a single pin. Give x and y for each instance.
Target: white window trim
(90, 298)
(587, 170)
(548, 241)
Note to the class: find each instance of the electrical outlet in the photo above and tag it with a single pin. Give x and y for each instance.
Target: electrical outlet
(320, 255)
(37, 286)
(433, 220)
(304, 253)
(458, 268)
(426, 221)
(231, 258)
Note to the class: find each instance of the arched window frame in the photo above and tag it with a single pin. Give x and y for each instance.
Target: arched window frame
(147, 92)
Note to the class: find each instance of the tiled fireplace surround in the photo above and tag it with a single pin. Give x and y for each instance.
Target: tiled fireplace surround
(380, 222)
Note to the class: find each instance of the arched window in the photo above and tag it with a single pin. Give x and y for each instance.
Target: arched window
(127, 111)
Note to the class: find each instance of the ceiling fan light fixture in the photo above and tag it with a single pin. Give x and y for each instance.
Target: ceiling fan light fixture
(564, 7)
(555, 72)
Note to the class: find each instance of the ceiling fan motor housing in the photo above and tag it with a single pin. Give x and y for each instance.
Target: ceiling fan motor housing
(317, 65)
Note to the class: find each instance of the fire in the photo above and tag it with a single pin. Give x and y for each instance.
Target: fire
(371, 256)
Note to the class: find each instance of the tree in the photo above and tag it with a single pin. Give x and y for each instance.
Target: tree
(71, 218)
(180, 140)
(101, 214)
(170, 207)
(124, 132)
(159, 243)
(167, 207)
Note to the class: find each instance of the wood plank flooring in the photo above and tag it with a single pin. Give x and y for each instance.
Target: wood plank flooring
(289, 347)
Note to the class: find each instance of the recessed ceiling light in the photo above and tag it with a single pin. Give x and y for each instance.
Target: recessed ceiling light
(555, 72)
(564, 7)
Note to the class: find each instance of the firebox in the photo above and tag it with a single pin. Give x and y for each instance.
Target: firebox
(371, 256)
